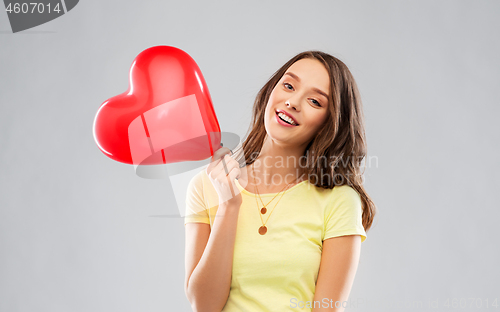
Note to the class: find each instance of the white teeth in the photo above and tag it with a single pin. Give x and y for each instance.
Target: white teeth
(288, 119)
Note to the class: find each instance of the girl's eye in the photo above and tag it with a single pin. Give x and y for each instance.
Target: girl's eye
(315, 102)
(288, 86)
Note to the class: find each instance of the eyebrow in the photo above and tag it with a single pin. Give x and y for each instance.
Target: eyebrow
(314, 89)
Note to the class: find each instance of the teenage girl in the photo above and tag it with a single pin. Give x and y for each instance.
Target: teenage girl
(280, 227)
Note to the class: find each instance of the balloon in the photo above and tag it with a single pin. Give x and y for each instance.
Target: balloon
(165, 116)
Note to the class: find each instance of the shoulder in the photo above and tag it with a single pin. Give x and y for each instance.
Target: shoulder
(340, 192)
(198, 182)
(200, 178)
(334, 199)
(201, 186)
(345, 191)
(344, 197)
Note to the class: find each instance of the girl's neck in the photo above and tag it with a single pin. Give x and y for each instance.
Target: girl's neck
(278, 163)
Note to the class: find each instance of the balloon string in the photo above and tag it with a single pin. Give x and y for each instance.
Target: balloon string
(227, 176)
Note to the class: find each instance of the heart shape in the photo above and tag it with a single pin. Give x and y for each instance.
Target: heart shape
(165, 116)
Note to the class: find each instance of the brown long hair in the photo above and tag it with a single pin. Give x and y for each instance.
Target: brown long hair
(339, 148)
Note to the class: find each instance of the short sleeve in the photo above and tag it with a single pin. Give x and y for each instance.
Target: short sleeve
(196, 210)
(343, 214)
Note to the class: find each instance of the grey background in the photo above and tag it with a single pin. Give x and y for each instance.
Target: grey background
(76, 232)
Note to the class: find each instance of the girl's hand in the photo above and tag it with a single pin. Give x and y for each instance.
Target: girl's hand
(222, 171)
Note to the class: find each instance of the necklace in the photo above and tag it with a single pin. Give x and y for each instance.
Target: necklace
(263, 228)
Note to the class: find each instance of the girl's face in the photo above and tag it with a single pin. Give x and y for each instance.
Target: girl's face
(302, 94)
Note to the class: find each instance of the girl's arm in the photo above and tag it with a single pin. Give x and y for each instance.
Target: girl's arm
(339, 263)
(209, 259)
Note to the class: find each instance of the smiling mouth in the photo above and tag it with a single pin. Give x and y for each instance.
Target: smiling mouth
(286, 119)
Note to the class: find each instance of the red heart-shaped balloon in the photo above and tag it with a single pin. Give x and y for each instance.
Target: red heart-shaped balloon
(165, 116)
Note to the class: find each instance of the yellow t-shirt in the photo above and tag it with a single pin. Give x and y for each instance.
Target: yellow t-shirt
(275, 271)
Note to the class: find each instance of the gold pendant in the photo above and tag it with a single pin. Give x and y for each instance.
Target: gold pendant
(263, 230)
(263, 210)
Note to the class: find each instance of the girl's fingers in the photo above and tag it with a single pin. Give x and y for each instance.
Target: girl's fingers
(229, 178)
(220, 153)
(216, 158)
(234, 174)
(223, 167)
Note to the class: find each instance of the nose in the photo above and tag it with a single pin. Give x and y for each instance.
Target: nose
(291, 104)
